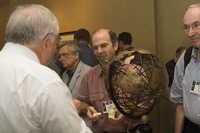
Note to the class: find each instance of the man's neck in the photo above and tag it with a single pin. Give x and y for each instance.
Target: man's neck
(81, 41)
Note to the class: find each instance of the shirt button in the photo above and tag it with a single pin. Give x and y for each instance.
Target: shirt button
(198, 115)
(198, 99)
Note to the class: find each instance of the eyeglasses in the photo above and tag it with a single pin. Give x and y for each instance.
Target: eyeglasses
(195, 26)
(64, 55)
(58, 40)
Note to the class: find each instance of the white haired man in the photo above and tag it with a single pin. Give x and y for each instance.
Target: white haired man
(33, 97)
(185, 86)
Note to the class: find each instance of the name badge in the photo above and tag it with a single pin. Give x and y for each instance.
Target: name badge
(195, 87)
(106, 106)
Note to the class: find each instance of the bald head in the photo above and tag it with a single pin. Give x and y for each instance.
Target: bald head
(103, 32)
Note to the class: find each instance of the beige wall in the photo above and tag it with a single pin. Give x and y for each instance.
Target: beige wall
(133, 16)
(155, 26)
(169, 33)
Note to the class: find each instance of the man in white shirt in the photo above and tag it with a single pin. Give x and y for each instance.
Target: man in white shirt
(33, 99)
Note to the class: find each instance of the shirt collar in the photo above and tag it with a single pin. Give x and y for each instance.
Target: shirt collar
(69, 73)
(15, 48)
(100, 71)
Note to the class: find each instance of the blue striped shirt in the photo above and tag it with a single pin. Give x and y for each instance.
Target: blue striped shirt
(182, 84)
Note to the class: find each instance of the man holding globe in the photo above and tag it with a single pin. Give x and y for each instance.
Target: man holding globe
(93, 93)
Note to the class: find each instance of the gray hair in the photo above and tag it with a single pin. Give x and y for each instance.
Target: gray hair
(74, 48)
(30, 24)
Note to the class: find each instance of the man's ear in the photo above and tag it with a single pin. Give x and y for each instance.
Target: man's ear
(75, 41)
(116, 46)
(45, 45)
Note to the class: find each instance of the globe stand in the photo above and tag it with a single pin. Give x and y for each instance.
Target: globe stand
(145, 127)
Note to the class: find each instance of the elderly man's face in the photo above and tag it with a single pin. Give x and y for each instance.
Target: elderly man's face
(192, 25)
(103, 47)
(67, 58)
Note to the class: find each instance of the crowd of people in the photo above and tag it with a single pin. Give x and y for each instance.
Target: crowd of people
(34, 98)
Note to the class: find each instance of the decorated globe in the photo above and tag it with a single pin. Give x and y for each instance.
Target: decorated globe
(137, 82)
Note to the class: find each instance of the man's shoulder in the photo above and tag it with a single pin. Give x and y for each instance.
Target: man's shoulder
(83, 66)
(94, 70)
(43, 73)
(170, 63)
(88, 50)
(31, 73)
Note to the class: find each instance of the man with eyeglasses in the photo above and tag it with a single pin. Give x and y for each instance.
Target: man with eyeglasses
(69, 55)
(33, 98)
(186, 84)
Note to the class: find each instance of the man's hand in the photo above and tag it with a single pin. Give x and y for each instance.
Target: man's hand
(120, 116)
(90, 112)
(118, 119)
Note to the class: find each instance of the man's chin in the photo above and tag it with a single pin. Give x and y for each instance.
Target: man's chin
(65, 66)
(196, 44)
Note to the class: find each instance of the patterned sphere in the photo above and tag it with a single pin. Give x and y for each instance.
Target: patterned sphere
(137, 82)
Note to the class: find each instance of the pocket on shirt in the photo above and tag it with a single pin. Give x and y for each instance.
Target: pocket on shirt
(97, 97)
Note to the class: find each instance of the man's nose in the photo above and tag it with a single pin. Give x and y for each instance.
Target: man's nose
(191, 31)
(99, 50)
(61, 58)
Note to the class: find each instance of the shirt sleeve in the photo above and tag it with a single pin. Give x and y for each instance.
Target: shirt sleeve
(56, 112)
(176, 90)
